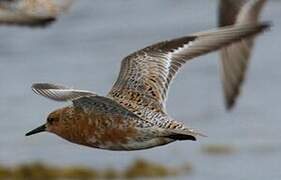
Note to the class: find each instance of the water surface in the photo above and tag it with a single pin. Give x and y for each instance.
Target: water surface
(84, 50)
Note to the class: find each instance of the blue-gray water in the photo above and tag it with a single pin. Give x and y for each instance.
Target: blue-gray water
(84, 50)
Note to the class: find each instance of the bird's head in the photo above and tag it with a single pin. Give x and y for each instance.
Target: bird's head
(53, 124)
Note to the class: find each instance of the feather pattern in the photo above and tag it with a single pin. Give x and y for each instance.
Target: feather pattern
(145, 76)
(59, 93)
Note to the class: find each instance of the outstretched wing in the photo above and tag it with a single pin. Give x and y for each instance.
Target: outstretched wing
(33, 13)
(145, 76)
(59, 93)
(234, 58)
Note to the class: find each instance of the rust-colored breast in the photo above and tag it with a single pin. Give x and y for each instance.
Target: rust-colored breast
(96, 129)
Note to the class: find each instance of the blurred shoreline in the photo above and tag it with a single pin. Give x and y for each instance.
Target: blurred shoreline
(139, 168)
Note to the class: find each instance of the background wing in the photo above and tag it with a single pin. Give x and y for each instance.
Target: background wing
(145, 76)
(59, 93)
(228, 11)
(234, 58)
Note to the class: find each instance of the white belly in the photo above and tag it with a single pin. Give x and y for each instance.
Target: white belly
(132, 144)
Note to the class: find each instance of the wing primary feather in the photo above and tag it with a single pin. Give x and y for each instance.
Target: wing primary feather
(59, 93)
(236, 57)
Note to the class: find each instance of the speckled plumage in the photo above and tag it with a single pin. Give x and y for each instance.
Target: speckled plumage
(99, 122)
(133, 116)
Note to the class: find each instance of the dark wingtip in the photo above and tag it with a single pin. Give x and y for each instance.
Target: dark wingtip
(229, 105)
(46, 86)
(230, 100)
(266, 25)
(182, 137)
(192, 138)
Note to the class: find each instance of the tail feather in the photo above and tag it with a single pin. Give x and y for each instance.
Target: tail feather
(188, 131)
(184, 134)
(182, 137)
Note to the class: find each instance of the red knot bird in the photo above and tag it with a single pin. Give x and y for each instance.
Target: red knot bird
(133, 116)
(234, 58)
(33, 13)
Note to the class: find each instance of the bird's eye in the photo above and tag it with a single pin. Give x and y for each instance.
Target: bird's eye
(50, 120)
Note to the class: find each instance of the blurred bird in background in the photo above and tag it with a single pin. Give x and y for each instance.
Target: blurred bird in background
(32, 13)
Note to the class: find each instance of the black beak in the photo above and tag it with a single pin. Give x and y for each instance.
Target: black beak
(37, 130)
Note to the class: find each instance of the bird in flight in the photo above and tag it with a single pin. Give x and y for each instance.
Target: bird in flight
(235, 58)
(33, 13)
(133, 116)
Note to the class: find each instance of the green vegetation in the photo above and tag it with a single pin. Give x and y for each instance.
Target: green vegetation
(139, 168)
